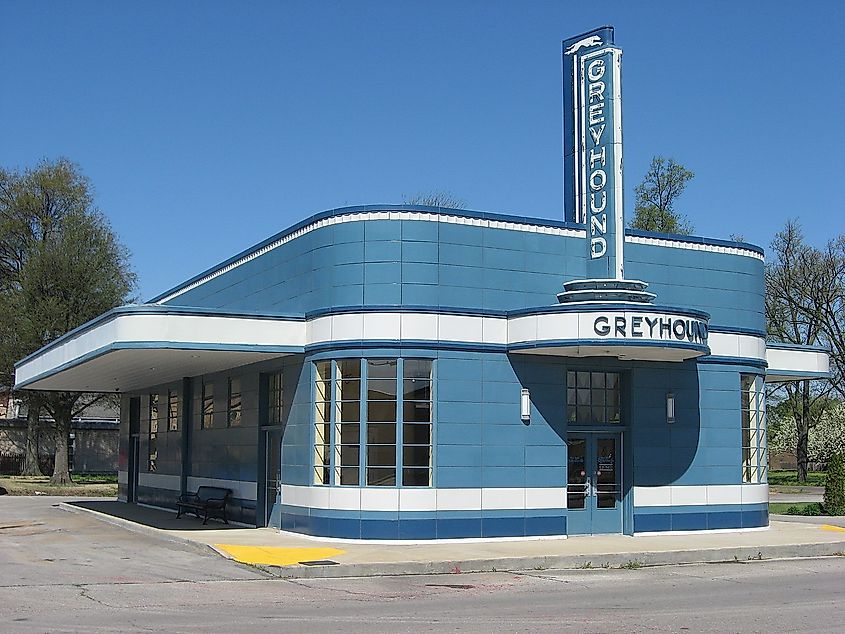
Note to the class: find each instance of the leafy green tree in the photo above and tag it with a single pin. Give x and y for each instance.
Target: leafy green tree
(60, 266)
(654, 198)
(834, 486)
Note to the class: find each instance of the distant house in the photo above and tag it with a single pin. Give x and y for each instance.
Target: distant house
(93, 439)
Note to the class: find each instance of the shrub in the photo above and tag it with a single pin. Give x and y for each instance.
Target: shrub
(813, 509)
(793, 510)
(834, 486)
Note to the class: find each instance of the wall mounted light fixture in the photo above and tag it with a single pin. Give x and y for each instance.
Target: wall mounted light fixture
(525, 405)
(670, 407)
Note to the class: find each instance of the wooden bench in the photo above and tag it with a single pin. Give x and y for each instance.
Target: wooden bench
(205, 502)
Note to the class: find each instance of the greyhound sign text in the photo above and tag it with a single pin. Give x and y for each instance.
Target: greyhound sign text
(592, 80)
(596, 120)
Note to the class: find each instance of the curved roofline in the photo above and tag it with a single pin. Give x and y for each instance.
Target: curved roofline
(444, 211)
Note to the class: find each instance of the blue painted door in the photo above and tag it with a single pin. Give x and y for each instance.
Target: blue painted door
(593, 491)
(273, 479)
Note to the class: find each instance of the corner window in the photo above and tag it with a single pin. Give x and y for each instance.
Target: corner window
(207, 420)
(373, 422)
(592, 398)
(381, 422)
(754, 449)
(172, 410)
(416, 423)
(152, 446)
(322, 421)
(347, 432)
(234, 409)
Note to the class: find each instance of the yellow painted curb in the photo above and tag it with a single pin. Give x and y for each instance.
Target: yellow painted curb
(830, 527)
(276, 556)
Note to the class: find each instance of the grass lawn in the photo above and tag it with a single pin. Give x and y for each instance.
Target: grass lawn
(790, 478)
(95, 486)
(798, 508)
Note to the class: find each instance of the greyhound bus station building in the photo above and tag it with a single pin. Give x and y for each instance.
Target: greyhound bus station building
(415, 373)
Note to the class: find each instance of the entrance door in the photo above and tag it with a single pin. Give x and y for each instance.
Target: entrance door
(134, 457)
(593, 492)
(272, 478)
(134, 449)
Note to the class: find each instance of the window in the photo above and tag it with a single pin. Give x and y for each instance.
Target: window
(592, 397)
(381, 422)
(754, 450)
(275, 396)
(207, 420)
(347, 431)
(152, 447)
(387, 404)
(322, 421)
(234, 408)
(172, 410)
(416, 426)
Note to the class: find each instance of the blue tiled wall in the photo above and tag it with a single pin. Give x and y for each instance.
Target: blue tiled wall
(414, 263)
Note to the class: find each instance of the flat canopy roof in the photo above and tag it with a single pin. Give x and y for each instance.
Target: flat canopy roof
(135, 347)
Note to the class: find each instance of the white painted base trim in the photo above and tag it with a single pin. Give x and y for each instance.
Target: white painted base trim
(713, 531)
(416, 542)
(160, 481)
(379, 499)
(162, 508)
(242, 489)
(701, 495)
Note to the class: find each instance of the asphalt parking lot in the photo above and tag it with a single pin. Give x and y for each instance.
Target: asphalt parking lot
(70, 572)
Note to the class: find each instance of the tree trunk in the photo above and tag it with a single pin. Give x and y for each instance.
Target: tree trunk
(61, 474)
(31, 465)
(803, 423)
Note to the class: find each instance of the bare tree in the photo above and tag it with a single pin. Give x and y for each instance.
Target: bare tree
(803, 294)
(437, 199)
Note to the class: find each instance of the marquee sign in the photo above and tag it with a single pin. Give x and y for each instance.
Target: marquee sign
(651, 326)
(593, 147)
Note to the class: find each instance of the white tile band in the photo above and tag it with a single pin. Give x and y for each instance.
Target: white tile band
(216, 331)
(372, 499)
(701, 495)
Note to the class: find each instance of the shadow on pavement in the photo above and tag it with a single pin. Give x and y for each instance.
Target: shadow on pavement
(155, 518)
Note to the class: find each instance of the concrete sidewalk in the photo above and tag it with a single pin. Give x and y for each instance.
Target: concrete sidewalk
(307, 557)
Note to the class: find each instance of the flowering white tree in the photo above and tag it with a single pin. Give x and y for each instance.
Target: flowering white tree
(825, 438)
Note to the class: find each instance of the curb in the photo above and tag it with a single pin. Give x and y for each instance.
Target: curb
(498, 564)
(562, 562)
(143, 529)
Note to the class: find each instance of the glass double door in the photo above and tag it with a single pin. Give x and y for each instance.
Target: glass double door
(593, 490)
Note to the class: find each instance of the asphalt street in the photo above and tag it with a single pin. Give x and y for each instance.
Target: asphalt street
(67, 572)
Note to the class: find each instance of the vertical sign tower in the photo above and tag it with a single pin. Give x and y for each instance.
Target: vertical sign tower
(592, 132)
(592, 109)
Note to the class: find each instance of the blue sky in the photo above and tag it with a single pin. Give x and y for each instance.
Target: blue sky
(207, 126)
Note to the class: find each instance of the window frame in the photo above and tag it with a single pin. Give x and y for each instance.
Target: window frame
(329, 398)
(754, 450)
(275, 398)
(234, 402)
(152, 434)
(207, 405)
(173, 407)
(575, 407)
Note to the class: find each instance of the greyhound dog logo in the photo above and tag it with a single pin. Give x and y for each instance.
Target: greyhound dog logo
(587, 42)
